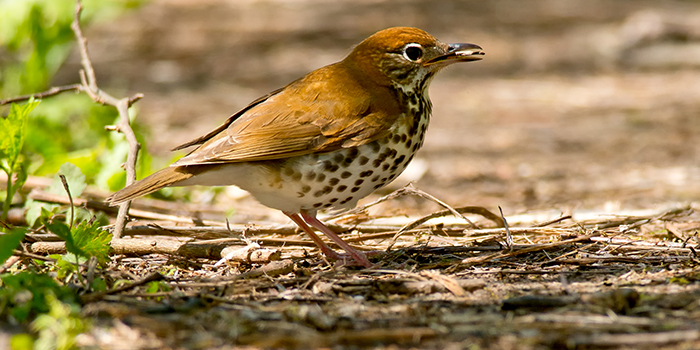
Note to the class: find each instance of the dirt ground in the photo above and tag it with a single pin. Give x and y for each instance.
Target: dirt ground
(580, 108)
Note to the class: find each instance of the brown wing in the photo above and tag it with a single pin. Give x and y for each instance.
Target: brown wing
(313, 114)
(200, 140)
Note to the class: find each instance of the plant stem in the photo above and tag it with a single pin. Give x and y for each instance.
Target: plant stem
(8, 196)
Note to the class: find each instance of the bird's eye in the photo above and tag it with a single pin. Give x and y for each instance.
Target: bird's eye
(413, 52)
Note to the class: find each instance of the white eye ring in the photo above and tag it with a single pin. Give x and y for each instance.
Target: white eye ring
(413, 52)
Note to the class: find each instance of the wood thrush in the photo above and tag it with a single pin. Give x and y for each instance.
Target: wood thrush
(327, 139)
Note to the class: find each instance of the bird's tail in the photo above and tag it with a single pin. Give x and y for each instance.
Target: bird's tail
(164, 178)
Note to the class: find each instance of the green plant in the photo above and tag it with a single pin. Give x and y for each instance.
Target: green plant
(58, 328)
(9, 241)
(23, 296)
(35, 40)
(86, 240)
(81, 230)
(65, 137)
(12, 132)
(76, 183)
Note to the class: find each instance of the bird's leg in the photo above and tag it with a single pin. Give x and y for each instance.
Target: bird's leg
(359, 258)
(325, 249)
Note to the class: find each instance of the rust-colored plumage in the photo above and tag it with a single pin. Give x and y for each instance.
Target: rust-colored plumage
(327, 139)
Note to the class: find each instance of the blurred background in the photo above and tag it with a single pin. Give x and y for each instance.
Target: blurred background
(578, 104)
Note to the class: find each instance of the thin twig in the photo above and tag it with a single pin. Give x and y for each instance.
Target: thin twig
(398, 193)
(100, 205)
(463, 210)
(97, 295)
(534, 248)
(32, 255)
(509, 236)
(89, 72)
(550, 222)
(89, 81)
(273, 268)
(420, 193)
(39, 95)
(134, 147)
(406, 190)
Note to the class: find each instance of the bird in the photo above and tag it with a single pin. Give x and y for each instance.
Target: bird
(325, 140)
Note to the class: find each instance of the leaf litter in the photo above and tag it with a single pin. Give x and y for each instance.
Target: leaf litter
(608, 281)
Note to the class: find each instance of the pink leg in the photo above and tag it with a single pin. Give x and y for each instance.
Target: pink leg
(359, 258)
(325, 249)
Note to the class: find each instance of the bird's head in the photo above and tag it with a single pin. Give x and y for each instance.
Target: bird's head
(407, 57)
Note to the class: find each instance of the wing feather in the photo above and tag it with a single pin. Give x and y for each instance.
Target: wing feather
(305, 117)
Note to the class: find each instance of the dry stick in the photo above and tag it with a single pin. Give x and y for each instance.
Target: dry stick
(372, 231)
(97, 295)
(509, 236)
(9, 262)
(273, 268)
(50, 92)
(554, 221)
(432, 277)
(89, 82)
(134, 146)
(32, 255)
(631, 340)
(463, 210)
(99, 205)
(534, 248)
(406, 190)
(149, 205)
(560, 257)
(398, 193)
(637, 244)
(625, 260)
(189, 249)
(420, 193)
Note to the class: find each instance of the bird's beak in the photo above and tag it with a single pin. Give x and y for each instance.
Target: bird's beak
(461, 52)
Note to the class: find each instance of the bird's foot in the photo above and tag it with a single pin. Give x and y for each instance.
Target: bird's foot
(304, 219)
(347, 259)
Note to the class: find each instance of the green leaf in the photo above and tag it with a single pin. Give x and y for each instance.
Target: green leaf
(58, 328)
(59, 228)
(66, 264)
(12, 131)
(74, 178)
(98, 284)
(87, 239)
(22, 341)
(76, 185)
(62, 230)
(20, 177)
(37, 210)
(92, 240)
(152, 287)
(9, 242)
(23, 295)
